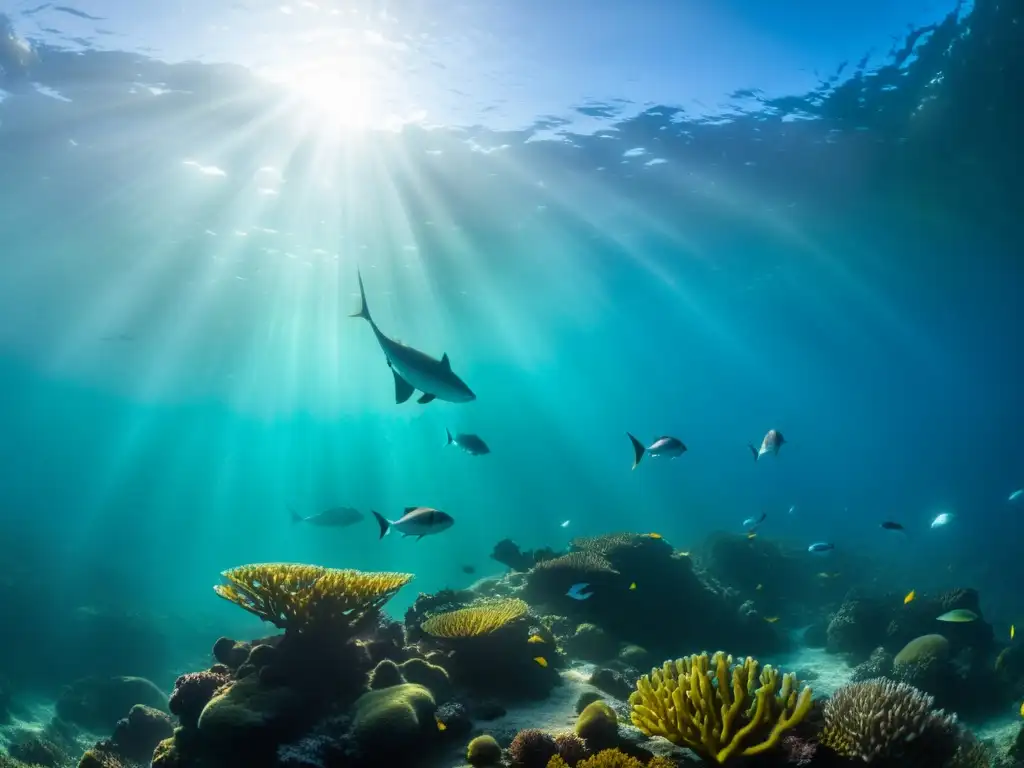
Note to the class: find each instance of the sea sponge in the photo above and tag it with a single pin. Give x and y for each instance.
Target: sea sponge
(926, 648)
(393, 720)
(385, 675)
(476, 620)
(431, 676)
(598, 724)
(483, 751)
(879, 718)
(714, 708)
(301, 598)
(531, 748)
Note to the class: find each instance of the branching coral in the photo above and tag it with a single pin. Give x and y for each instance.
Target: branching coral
(716, 708)
(300, 598)
(879, 718)
(476, 620)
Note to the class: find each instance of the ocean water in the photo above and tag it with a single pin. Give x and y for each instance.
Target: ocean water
(701, 220)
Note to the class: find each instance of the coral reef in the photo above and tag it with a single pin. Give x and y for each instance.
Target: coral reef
(717, 709)
(531, 748)
(598, 725)
(393, 721)
(880, 719)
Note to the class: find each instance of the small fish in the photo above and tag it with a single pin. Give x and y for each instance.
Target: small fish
(470, 569)
(1016, 494)
(1013, 631)
(829, 575)
(759, 587)
(335, 517)
(889, 525)
(535, 639)
(941, 519)
(654, 535)
(632, 587)
(413, 369)
(751, 535)
(1022, 709)
(1000, 658)
(751, 523)
(565, 524)
(958, 616)
(440, 724)
(821, 546)
(576, 591)
(471, 444)
(772, 442)
(771, 619)
(416, 521)
(910, 597)
(541, 661)
(684, 554)
(792, 509)
(666, 446)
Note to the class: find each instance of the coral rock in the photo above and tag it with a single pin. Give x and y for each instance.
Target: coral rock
(598, 725)
(192, 692)
(483, 751)
(137, 735)
(97, 703)
(393, 722)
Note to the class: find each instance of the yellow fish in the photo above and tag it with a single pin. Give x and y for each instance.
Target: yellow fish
(535, 639)
(632, 586)
(655, 535)
(759, 587)
(910, 597)
(440, 725)
(771, 619)
(751, 535)
(541, 660)
(684, 554)
(1012, 631)
(1022, 709)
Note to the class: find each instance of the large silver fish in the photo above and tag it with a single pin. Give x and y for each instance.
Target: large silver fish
(413, 369)
(416, 521)
(665, 446)
(772, 442)
(335, 517)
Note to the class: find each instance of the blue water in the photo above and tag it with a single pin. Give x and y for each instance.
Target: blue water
(706, 226)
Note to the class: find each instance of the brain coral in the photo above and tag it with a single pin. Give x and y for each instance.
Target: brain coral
(926, 648)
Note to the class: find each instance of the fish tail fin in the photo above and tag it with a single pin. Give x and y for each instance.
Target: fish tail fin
(296, 517)
(449, 434)
(638, 449)
(364, 310)
(753, 450)
(385, 526)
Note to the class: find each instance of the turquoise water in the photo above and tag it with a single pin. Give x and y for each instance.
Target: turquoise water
(602, 241)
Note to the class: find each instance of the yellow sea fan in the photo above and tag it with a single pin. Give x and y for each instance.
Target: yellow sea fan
(476, 620)
(299, 597)
(715, 708)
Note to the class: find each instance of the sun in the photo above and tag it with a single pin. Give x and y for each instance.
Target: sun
(338, 90)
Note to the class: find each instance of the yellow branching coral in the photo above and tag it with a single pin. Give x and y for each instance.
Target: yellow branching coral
(716, 708)
(476, 620)
(302, 597)
(611, 758)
